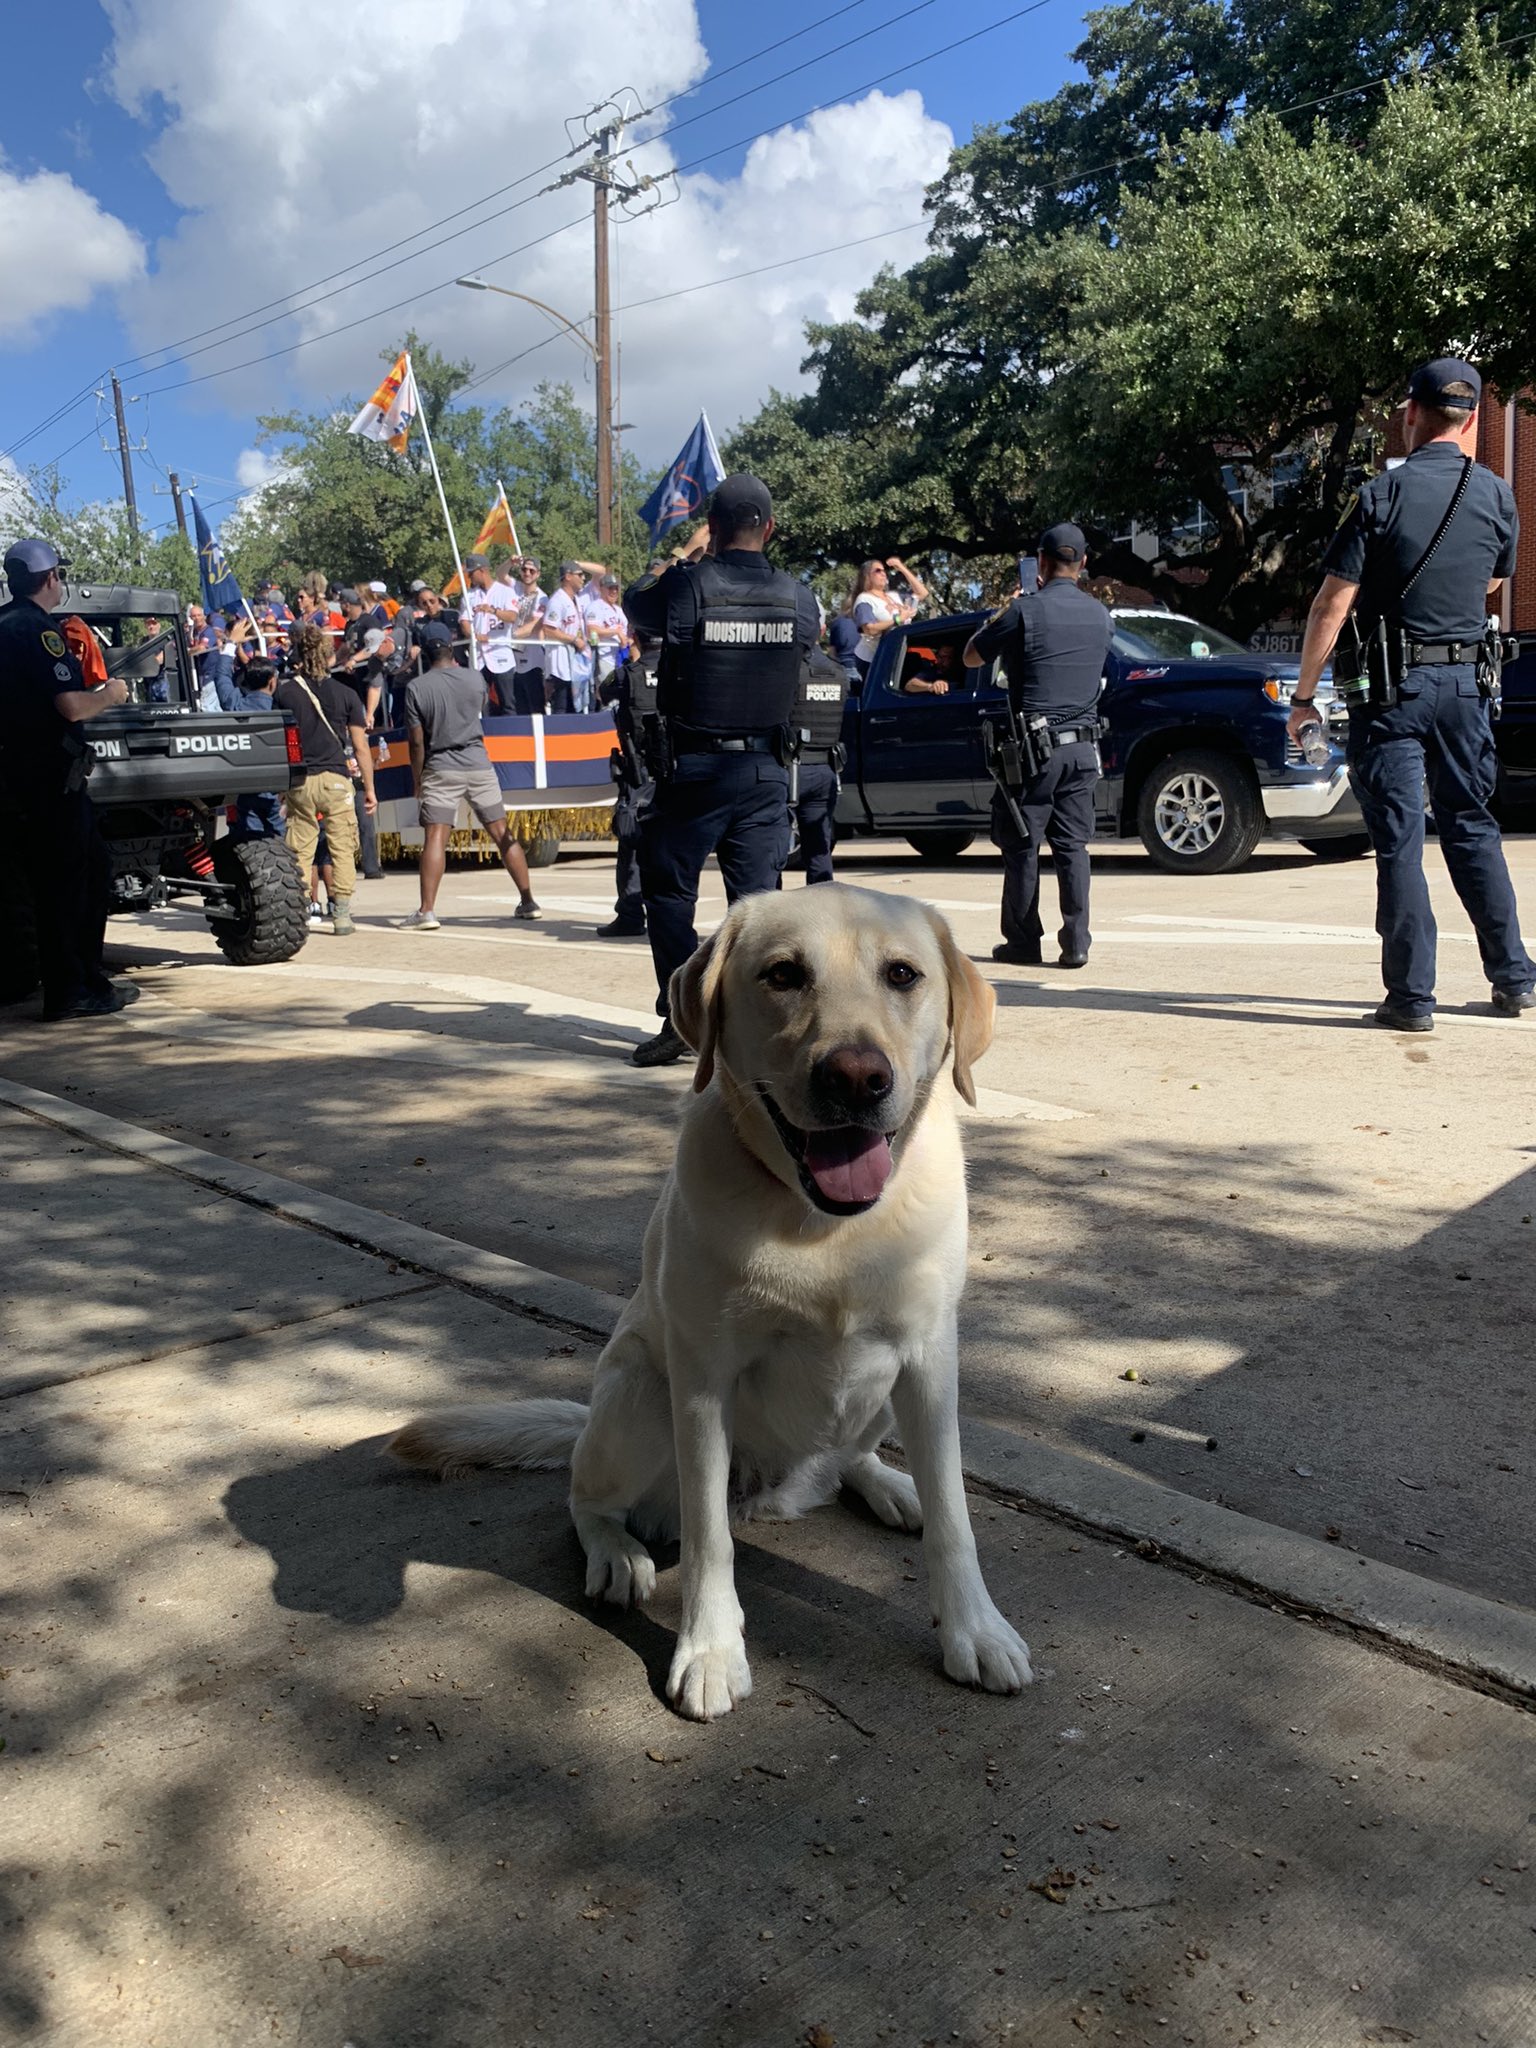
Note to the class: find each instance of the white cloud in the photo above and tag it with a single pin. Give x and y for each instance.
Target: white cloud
(58, 248)
(370, 136)
(255, 468)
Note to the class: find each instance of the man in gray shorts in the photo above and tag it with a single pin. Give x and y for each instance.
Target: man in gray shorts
(450, 766)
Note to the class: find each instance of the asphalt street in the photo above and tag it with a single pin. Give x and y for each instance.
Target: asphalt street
(300, 1749)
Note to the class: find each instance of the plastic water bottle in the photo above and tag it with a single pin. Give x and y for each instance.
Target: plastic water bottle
(1313, 742)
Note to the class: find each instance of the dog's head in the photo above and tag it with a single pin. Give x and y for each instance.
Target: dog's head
(830, 1013)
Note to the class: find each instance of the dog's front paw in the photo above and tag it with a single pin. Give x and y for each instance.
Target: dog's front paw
(985, 1649)
(889, 1494)
(708, 1679)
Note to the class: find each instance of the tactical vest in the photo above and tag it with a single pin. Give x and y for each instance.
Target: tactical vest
(819, 710)
(740, 672)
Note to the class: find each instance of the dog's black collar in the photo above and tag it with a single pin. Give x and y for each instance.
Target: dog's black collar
(795, 1141)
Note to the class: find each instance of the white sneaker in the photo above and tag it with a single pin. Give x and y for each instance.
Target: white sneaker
(316, 914)
(422, 921)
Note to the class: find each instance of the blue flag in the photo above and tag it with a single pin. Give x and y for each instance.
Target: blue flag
(221, 592)
(682, 492)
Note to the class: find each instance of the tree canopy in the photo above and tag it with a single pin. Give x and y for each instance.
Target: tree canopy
(1181, 293)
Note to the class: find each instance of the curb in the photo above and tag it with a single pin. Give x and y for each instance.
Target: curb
(528, 1290)
(1460, 1635)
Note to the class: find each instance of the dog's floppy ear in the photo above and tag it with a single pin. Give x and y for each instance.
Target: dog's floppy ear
(972, 1006)
(693, 997)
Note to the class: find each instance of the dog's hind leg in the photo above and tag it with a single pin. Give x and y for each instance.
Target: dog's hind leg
(886, 1492)
(624, 1456)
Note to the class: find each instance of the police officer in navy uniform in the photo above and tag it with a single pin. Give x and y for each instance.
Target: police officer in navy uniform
(1053, 642)
(1439, 725)
(65, 868)
(734, 633)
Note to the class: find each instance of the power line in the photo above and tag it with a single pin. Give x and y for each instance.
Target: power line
(362, 262)
(291, 309)
(378, 312)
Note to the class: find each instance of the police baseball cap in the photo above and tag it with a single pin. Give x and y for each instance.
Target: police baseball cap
(739, 501)
(1064, 542)
(1430, 381)
(434, 636)
(32, 558)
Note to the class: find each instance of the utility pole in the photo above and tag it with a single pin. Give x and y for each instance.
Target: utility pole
(122, 449)
(181, 516)
(603, 320)
(599, 173)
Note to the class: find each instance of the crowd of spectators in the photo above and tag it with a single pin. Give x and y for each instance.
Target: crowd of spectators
(342, 659)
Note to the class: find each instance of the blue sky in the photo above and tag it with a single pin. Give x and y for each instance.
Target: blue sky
(244, 165)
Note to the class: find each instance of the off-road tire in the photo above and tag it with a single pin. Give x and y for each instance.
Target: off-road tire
(542, 852)
(1216, 844)
(1347, 846)
(940, 845)
(274, 903)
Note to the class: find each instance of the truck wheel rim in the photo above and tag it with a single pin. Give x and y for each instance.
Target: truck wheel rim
(1190, 814)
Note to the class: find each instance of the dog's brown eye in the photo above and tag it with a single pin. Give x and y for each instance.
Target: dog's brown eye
(901, 974)
(784, 974)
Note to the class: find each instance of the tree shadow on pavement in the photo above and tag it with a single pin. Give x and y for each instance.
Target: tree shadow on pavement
(1255, 1313)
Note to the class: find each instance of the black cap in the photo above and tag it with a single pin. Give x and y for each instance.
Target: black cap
(434, 636)
(739, 501)
(1064, 542)
(32, 558)
(475, 562)
(348, 596)
(1428, 385)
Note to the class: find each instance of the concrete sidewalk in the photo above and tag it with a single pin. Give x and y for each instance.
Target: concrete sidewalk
(300, 1748)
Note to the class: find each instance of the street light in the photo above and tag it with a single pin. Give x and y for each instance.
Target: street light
(604, 425)
(481, 284)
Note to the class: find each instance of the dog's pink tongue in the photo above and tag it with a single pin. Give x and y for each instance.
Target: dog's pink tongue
(850, 1164)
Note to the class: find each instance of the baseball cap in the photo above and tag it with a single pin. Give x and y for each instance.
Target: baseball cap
(379, 589)
(476, 562)
(571, 569)
(374, 639)
(418, 587)
(1064, 542)
(434, 636)
(347, 595)
(32, 558)
(1428, 384)
(741, 500)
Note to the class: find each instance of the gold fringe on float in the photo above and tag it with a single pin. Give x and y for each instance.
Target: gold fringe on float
(529, 828)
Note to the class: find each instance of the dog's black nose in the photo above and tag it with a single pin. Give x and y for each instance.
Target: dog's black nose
(855, 1078)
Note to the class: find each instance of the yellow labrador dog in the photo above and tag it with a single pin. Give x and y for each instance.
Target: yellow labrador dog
(800, 1282)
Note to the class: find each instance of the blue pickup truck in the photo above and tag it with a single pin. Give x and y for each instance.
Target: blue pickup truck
(1196, 759)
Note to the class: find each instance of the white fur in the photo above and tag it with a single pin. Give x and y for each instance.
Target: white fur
(769, 1346)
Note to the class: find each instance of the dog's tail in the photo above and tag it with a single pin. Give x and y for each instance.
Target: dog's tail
(538, 1435)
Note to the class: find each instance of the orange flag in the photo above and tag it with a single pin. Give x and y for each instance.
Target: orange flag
(497, 526)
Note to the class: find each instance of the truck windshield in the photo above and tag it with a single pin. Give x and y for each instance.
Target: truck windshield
(1164, 636)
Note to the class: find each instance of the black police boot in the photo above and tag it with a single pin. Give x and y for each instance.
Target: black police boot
(90, 1006)
(668, 1045)
(619, 930)
(1513, 1002)
(1017, 956)
(1072, 960)
(1390, 1018)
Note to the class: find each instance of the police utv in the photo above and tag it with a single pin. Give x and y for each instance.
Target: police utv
(161, 774)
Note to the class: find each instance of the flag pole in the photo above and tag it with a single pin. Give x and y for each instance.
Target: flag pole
(442, 496)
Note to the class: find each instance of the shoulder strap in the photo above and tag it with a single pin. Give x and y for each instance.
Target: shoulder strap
(320, 708)
(1442, 529)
